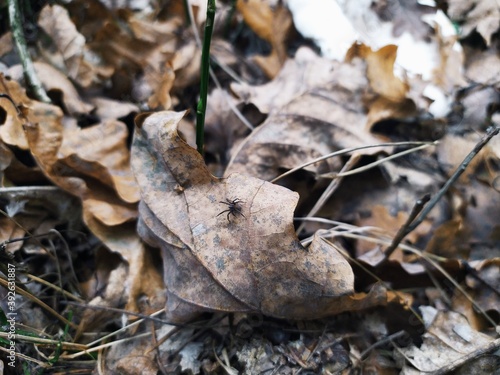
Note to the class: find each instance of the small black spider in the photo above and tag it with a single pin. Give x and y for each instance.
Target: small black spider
(233, 208)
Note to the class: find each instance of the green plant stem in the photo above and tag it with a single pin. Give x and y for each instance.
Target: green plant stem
(186, 11)
(59, 345)
(30, 75)
(204, 74)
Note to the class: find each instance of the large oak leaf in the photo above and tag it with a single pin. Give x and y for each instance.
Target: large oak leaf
(214, 260)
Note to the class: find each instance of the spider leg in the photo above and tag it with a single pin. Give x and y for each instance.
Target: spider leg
(220, 213)
(238, 210)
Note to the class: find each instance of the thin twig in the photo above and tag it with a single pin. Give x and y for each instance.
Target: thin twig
(121, 311)
(311, 353)
(65, 247)
(491, 132)
(33, 298)
(346, 151)
(32, 80)
(54, 287)
(25, 357)
(332, 187)
(404, 230)
(384, 341)
(420, 254)
(378, 162)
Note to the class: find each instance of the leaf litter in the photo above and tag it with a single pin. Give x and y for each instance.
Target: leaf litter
(143, 225)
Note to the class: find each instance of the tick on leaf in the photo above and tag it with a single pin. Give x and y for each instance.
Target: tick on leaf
(233, 208)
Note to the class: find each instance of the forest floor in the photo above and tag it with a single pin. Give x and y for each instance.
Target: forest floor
(344, 217)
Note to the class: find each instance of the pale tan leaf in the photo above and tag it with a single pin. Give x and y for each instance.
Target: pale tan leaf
(234, 236)
(480, 15)
(55, 21)
(448, 338)
(53, 79)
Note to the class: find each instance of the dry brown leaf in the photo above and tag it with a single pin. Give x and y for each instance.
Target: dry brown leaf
(405, 16)
(111, 294)
(305, 71)
(157, 63)
(450, 73)
(70, 44)
(28, 211)
(91, 163)
(487, 270)
(141, 277)
(316, 108)
(6, 157)
(6, 45)
(248, 261)
(156, 32)
(54, 80)
(144, 44)
(482, 66)
(452, 150)
(270, 64)
(100, 152)
(258, 14)
(118, 48)
(10, 230)
(480, 15)
(390, 224)
(271, 24)
(86, 66)
(380, 71)
(107, 108)
(164, 81)
(450, 240)
(482, 212)
(31, 206)
(186, 65)
(268, 158)
(448, 338)
(133, 357)
(11, 130)
(19, 174)
(477, 183)
(320, 118)
(463, 305)
(223, 129)
(382, 109)
(475, 105)
(491, 173)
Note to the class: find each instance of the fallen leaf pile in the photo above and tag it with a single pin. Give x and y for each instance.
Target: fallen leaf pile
(276, 251)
